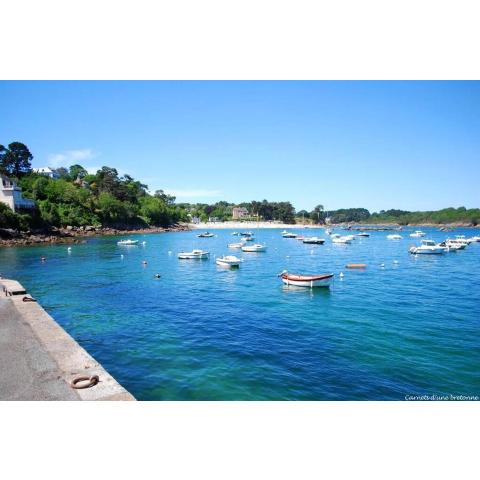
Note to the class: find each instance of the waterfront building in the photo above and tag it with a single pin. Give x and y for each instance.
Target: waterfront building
(47, 172)
(239, 212)
(11, 195)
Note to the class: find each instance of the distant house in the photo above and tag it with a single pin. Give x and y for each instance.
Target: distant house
(239, 212)
(47, 172)
(11, 195)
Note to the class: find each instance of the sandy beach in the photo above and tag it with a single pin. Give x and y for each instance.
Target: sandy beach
(244, 225)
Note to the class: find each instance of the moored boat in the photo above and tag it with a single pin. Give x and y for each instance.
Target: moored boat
(314, 240)
(362, 234)
(205, 235)
(254, 248)
(309, 281)
(428, 247)
(289, 235)
(394, 236)
(229, 261)
(338, 239)
(417, 233)
(236, 245)
(127, 242)
(194, 255)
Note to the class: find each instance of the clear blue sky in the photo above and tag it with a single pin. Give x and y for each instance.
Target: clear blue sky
(378, 145)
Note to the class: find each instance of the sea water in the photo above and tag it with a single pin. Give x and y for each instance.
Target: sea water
(405, 326)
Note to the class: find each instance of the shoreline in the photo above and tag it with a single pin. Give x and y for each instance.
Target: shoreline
(270, 225)
(75, 235)
(80, 235)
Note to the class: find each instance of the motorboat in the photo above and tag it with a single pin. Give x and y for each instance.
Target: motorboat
(417, 234)
(289, 235)
(236, 245)
(257, 247)
(309, 281)
(428, 247)
(394, 236)
(237, 234)
(246, 234)
(127, 242)
(328, 231)
(205, 235)
(314, 240)
(339, 239)
(474, 239)
(229, 261)
(452, 247)
(456, 244)
(249, 238)
(462, 238)
(362, 234)
(194, 255)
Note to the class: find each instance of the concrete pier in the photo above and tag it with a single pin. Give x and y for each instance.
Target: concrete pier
(38, 359)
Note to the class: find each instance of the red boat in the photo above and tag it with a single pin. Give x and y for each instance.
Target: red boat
(306, 280)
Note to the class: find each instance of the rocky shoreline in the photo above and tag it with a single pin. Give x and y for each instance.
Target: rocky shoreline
(72, 235)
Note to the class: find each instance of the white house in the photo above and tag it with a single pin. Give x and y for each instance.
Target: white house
(47, 172)
(12, 195)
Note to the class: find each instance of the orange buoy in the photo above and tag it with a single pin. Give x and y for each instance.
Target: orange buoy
(356, 265)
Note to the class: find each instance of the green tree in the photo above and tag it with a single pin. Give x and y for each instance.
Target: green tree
(16, 159)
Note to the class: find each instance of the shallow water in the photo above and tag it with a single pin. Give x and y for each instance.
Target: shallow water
(203, 332)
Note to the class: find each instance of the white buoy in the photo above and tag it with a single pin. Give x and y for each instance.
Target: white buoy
(395, 261)
(382, 265)
(169, 252)
(121, 256)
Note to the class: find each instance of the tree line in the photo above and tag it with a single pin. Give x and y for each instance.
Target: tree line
(80, 198)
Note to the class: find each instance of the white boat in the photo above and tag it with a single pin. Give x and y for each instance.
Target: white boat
(314, 240)
(246, 234)
(205, 235)
(289, 235)
(452, 247)
(194, 255)
(254, 248)
(328, 231)
(127, 242)
(229, 261)
(309, 281)
(428, 247)
(462, 239)
(236, 234)
(456, 243)
(394, 236)
(236, 245)
(474, 239)
(417, 234)
(339, 239)
(362, 234)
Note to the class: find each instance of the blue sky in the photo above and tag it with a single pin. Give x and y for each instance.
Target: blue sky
(378, 145)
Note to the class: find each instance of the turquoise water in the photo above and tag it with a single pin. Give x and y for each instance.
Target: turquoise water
(202, 332)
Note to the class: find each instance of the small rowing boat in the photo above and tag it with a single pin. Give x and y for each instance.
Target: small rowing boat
(254, 248)
(309, 281)
(236, 245)
(229, 261)
(127, 242)
(194, 255)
